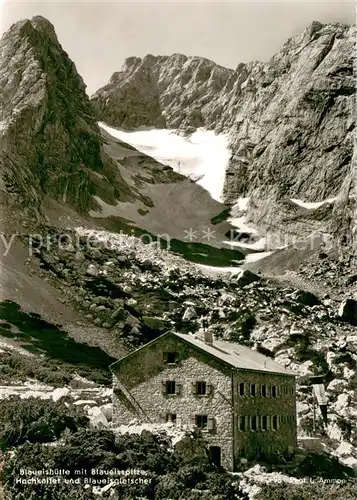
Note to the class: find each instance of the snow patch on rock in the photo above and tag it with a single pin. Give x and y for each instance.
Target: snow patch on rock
(313, 205)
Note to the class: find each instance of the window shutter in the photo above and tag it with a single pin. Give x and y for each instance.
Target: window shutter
(210, 423)
(209, 389)
(193, 420)
(193, 388)
(177, 388)
(163, 417)
(178, 421)
(163, 384)
(268, 422)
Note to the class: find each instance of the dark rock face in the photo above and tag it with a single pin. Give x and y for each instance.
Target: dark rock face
(137, 101)
(290, 120)
(49, 137)
(348, 311)
(246, 278)
(306, 298)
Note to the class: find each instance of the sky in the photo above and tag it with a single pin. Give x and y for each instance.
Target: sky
(98, 36)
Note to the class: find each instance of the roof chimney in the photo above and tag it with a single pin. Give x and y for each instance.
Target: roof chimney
(208, 337)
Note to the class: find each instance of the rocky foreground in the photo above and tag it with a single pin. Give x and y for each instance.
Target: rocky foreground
(133, 292)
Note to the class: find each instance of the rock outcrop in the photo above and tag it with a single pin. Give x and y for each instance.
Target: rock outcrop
(348, 311)
(162, 91)
(54, 157)
(291, 120)
(49, 137)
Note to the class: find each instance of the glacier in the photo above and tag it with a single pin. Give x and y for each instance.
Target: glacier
(203, 156)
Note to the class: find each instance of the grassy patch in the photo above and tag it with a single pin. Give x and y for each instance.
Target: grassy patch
(40, 337)
(199, 253)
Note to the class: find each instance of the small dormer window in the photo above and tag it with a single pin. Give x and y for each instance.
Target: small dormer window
(171, 358)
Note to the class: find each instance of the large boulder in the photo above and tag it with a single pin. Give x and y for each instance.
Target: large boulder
(246, 277)
(342, 403)
(107, 411)
(348, 311)
(305, 298)
(334, 432)
(92, 270)
(97, 417)
(346, 450)
(59, 393)
(337, 385)
(189, 314)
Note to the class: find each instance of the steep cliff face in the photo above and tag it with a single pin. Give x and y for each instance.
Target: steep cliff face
(173, 91)
(291, 120)
(57, 164)
(49, 136)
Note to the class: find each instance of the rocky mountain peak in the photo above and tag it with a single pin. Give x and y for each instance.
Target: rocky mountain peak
(291, 120)
(48, 129)
(142, 93)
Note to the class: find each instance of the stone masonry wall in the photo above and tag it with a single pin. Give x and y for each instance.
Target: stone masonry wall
(138, 391)
(250, 443)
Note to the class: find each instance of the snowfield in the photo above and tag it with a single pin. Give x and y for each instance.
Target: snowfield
(203, 155)
(312, 205)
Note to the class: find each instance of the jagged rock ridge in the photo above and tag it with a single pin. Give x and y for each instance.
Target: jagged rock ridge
(291, 120)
